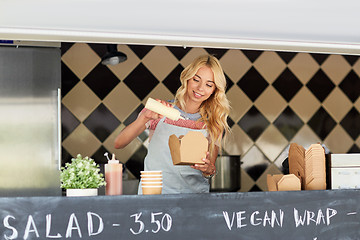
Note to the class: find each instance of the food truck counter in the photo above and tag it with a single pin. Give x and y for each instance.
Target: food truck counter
(326, 214)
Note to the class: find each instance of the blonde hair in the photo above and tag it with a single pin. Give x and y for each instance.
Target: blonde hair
(215, 110)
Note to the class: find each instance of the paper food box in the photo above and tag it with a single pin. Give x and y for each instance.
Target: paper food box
(308, 165)
(281, 182)
(188, 149)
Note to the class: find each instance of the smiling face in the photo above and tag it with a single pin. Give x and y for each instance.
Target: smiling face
(201, 86)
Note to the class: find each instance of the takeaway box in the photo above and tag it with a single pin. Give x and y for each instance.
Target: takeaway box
(280, 182)
(307, 170)
(188, 149)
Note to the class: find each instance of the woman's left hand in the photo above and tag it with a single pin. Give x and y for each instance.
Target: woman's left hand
(208, 168)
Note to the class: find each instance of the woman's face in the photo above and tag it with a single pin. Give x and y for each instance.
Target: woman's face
(201, 86)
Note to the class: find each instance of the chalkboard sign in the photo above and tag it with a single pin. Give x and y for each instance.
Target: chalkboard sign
(310, 215)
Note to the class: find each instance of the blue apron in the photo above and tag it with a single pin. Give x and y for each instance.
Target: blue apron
(176, 178)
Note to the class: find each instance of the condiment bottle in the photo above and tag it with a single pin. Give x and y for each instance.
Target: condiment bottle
(113, 177)
(160, 108)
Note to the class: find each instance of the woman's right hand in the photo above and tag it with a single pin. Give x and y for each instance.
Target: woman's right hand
(133, 130)
(149, 115)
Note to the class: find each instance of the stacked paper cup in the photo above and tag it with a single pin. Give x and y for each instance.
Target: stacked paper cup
(151, 182)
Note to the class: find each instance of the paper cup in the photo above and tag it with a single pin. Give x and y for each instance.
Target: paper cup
(151, 172)
(151, 184)
(149, 190)
(151, 180)
(150, 176)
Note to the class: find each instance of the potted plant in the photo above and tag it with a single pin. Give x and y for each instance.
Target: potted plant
(81, 177)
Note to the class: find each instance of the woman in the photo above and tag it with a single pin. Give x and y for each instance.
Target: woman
(202, 101)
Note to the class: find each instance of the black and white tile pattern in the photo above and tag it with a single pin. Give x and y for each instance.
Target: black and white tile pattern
(276, 98)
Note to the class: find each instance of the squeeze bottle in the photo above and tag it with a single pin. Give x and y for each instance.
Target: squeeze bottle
(160, 108)
(113, 177)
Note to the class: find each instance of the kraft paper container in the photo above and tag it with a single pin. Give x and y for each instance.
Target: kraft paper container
(150, 176)
(308, 165)
(281, 182)
(151, 172)
(145, 184)
(151, 180)
(189, 149)
(149, 190)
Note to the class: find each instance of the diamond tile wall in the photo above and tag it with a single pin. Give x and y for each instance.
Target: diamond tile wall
(276, 98)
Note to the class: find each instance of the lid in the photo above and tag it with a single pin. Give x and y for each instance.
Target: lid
(113, 160)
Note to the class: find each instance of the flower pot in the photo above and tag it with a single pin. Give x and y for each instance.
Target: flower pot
(74, 192)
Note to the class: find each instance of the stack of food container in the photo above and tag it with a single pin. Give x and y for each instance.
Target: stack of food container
(151, 182)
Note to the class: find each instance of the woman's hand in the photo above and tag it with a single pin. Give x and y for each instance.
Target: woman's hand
(208, 168)
(133, 130)
(148, 114)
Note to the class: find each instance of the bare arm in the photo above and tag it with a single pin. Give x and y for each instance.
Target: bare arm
(130, 132)
(133, 130)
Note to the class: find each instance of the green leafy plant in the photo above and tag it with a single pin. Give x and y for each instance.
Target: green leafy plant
(81, 173)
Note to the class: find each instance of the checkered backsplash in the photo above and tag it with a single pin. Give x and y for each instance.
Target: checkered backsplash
(276, 98)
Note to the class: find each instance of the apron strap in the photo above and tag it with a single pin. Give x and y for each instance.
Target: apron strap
(162, 119)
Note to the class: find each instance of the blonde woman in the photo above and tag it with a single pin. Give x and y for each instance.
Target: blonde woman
(202, 101)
